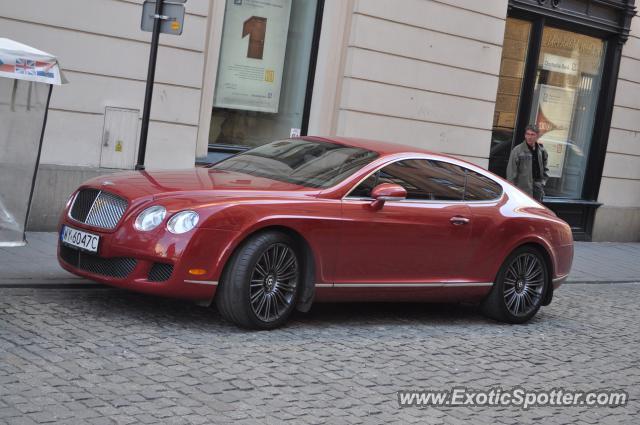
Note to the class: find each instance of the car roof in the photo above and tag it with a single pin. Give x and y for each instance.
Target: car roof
(383, 148)
(388, 148)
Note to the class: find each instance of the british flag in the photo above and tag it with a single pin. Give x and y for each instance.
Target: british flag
(25, 66)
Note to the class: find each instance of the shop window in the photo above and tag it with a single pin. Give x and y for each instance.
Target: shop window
(263, 77)
(514, 54)
(564, 104)
(561, 98)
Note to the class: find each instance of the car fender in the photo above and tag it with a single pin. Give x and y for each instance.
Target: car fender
(532, 239)
(316, 231)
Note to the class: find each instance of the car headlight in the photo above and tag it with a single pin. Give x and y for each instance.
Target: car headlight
(183, 222)
(150, 218)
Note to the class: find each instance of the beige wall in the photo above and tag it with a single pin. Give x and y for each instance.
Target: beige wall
(619, 218)
(104, 55)
(422, 73)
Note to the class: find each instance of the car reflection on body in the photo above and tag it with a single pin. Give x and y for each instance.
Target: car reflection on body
(319, 219)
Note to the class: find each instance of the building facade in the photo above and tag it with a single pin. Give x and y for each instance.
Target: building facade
(455, 76)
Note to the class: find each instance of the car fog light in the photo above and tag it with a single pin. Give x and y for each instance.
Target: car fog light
(150, 218)
(183, 222)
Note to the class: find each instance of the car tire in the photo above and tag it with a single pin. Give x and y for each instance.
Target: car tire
(260, 284)
(520, 287)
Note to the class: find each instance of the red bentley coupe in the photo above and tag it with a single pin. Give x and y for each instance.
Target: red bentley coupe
(319, 219)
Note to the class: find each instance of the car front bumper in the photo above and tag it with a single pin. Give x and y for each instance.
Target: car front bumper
(184, 266)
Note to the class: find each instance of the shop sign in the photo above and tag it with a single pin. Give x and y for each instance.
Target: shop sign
(560, 64)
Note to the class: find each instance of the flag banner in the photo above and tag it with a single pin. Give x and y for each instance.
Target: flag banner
(26, 63)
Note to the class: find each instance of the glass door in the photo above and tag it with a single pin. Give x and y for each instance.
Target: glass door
(559, 93)
(567, 85)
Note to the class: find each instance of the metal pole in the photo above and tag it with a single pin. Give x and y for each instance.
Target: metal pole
(155, 38)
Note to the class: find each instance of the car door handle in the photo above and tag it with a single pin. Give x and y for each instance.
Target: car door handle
(459, 221)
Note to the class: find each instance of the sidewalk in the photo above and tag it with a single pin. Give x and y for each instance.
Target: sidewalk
(35, 265)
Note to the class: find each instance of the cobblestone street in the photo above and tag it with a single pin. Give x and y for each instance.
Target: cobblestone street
(100, 356)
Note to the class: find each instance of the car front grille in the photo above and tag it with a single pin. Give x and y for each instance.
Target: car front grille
(98, 208)
(82, 204)
(160, 272)
(118, 267)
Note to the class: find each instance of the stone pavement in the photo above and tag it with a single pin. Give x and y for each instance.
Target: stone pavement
(92, 355)
(35, 264)
(104, 356)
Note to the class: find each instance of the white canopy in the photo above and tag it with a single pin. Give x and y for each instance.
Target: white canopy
(23, 62)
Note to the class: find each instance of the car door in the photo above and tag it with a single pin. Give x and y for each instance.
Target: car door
(421, 239)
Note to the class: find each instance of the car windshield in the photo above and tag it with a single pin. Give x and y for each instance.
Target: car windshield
(308, 163)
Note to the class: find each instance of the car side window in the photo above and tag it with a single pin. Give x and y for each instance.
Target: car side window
(481, 188)
(445, 180)
(363, 190)
(423, 180)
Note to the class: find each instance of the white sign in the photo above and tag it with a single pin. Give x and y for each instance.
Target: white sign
(560, 64)
(254, 41)
(553, 118)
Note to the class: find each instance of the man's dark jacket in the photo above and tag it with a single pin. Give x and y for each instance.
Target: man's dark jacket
(520, 166)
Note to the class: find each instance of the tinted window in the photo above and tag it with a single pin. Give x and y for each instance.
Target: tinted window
(481, 188)
(422, 179)
(364, 188)
(307, 163)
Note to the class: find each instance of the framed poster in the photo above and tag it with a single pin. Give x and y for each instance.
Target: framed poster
(553, 118)
(254, 41)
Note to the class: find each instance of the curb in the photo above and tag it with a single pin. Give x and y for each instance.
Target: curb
(602, 282)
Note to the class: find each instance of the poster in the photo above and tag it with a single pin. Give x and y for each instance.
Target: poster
(254, 41)
(553, 118)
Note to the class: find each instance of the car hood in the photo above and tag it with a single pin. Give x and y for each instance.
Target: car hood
(139, 184)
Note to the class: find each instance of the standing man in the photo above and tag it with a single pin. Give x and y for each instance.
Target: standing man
(527, 166)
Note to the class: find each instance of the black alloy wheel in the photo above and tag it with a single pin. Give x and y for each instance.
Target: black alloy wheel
(260, 283)
(520, 287)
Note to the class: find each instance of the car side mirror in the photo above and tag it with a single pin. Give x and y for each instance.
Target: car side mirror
(387, 192)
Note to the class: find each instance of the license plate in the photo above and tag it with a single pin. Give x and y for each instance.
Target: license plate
(79, 239)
